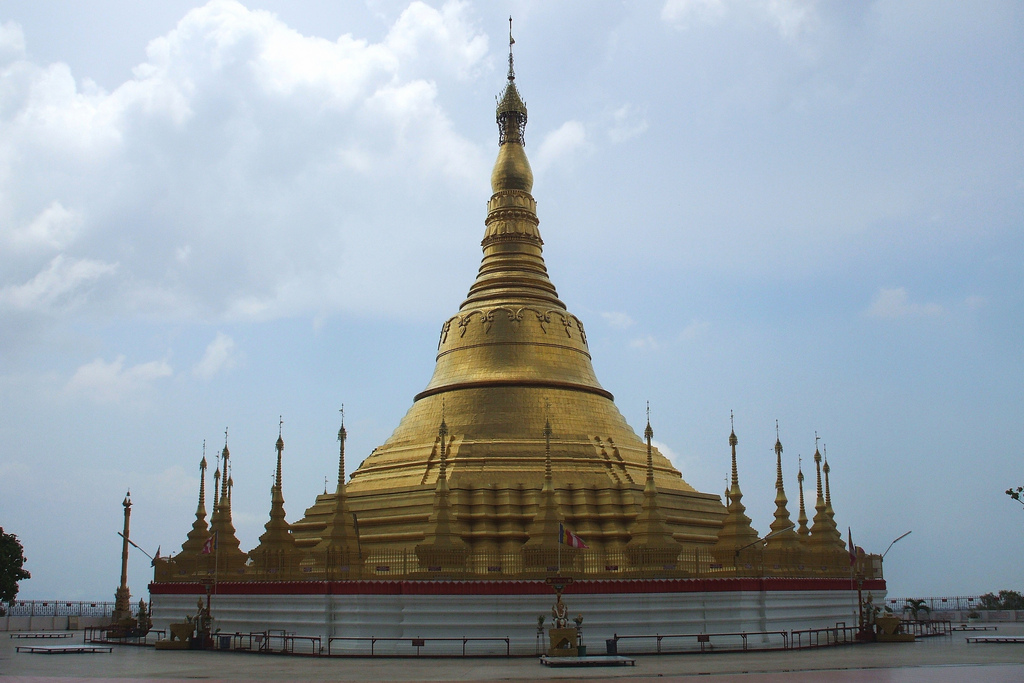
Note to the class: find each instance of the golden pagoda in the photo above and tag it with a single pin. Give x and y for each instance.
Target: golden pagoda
(511, 362)
(512, 440)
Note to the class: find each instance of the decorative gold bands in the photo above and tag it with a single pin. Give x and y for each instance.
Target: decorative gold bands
(531, 383)
(529, 343)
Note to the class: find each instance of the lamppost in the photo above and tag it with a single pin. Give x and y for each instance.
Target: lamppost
(894, 543)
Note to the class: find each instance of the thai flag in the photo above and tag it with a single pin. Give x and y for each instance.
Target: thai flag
(569, 538)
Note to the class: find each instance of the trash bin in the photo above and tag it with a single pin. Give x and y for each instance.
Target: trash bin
(225, 642)
(612, 646)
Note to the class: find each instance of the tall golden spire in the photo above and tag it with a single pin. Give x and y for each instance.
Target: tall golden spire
(200, 529)
(276, 543)
(803, 531)
(229, 553)
(824, 537)
(736, 534)
(339, 541)
(650, 541)
(442, 547)
(511, 345)
(783, 536)
(541, 549)
(825, 469)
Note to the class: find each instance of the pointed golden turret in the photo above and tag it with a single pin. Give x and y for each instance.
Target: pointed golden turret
(737, 541)
(803, 532)
(200, 529)
(651, 543)
(339, 546)
(825, 539)
(511, 346)
(276, 551)
(228, 553)
(442, 547)
(782, 544)
(541, 550)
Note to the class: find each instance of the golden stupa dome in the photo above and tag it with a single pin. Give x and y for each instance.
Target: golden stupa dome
(510, 360)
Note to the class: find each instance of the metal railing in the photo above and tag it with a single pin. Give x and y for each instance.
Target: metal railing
(419, 644)
(62, 608)
(958, 603)
(264, 641)
(823, 637)
(409, 564)
(739, 641)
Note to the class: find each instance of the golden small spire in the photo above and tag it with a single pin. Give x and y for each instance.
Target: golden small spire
(783, 537)
(280, 450)
(649, 434)
(736, 533)
(802, 518)
(202, 484)
(342, 437)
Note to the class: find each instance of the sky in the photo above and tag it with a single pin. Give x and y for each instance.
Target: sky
(221, 215)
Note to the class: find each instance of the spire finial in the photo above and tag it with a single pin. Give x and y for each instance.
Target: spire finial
(280, 450)
(342, 436)
(511, 42)
(778, 458)
(732, 442)
(648, 435)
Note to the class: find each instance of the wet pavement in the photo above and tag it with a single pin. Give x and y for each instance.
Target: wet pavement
(937, 659)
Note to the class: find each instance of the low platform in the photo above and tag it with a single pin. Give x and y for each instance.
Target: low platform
(42, 634)
(592, 660)
(975, 628)
(63, 649)
(995, 639)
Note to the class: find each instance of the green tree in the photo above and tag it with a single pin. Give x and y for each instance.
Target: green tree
(1017, 494)
(12, 559)
(914, 606)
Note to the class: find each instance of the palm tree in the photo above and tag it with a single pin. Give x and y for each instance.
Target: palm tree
(915, 606)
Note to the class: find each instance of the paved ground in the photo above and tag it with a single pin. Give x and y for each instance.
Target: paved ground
(934, 660)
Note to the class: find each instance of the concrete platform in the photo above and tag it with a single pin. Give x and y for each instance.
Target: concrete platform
(592, 660)
(995, 639)
(932, 660)
(63, 649)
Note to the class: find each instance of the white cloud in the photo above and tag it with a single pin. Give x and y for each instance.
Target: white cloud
(111, 382)
(647, 342)
(627, 122)
(618, 319)
(234, 174)
(681, 12)
(695, 329)
(561, 144)
(54, 228)
(12, 42)
(789, 17)
(895, 303)
(63, 282)
(219, 355)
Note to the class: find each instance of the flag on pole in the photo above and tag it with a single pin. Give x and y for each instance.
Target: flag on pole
(569, 538)
(852, 547)
(210, 544)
